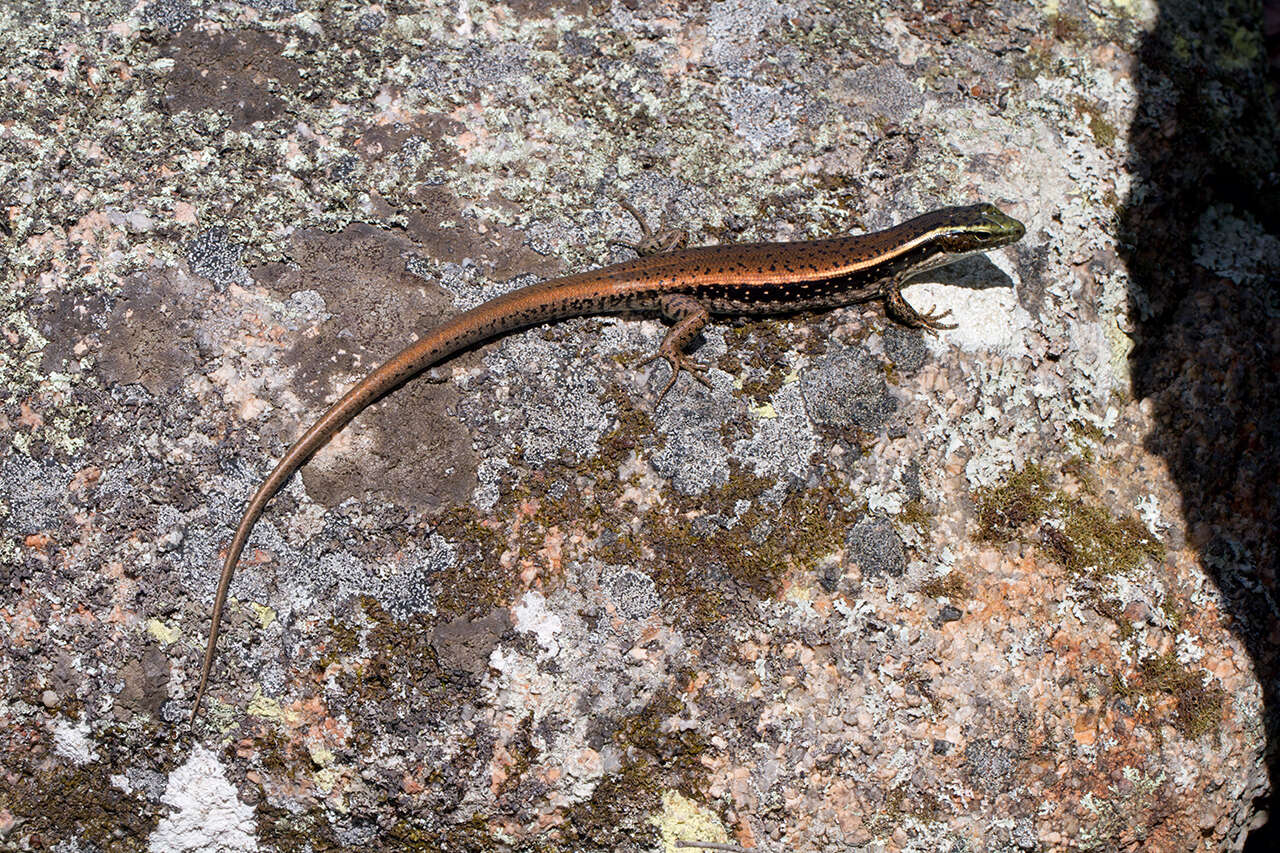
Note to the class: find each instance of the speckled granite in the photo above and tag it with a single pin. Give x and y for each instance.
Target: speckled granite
(1012, 588)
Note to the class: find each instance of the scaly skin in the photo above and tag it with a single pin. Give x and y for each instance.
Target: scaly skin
(685, 286)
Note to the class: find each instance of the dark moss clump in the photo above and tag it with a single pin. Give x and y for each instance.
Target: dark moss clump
(288, 831)
(762, 340)
(1078, 466)
(761, 389)
(1089, 431)
(341, 642)
(477, 581)
(616, 816)
(1112, 609)
(634, 429)
(769, 349)
(523, 754)
(275, 754)
(473, 836)
(82, 803)
(915, 514)
(708, 554)
(1198, 706)
(1104, 132)
(950, 585)
(1084, 537)
(1068, 28)
(902, 802)
(1003, 510)
(395, 667)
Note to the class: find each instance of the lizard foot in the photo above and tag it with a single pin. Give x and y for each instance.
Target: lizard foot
(649, 242)
(678, 361)
(901, 310)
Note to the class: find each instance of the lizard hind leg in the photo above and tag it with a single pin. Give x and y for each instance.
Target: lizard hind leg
(650, 243)
(689, 316)
(899, 309)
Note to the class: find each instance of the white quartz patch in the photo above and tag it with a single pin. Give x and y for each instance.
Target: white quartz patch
(73, 743)
(987, 320)
(533, 617)
(207, 814)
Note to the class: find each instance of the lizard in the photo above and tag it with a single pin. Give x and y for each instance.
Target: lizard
(685, 286)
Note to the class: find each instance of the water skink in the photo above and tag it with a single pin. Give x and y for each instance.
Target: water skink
(685, 286)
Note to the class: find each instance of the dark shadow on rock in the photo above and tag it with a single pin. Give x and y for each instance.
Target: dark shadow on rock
(976, 273)
(1201, 237)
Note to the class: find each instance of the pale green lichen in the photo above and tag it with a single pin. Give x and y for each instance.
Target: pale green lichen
(682, 819)
(162, 633)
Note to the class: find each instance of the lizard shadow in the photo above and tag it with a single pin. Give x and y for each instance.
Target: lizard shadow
(1205, 311)
(975, 273)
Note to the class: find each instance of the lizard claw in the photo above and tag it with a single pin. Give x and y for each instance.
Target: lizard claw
(931, 319)
(678, 361)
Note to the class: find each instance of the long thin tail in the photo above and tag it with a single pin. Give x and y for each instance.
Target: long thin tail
(524, 307)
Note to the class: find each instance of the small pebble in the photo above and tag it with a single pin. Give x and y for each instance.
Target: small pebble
(49, 698)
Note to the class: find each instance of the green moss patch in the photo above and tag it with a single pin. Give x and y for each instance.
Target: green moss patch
(618, 811)
(1198, 707)
(707, 553)
(1084, 537)
(1092, 541)
(1004, 510)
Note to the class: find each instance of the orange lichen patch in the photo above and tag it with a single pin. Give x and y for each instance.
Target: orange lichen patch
(184, 213)
(411, 785)
(28, 417)
(305, 715)
(84, 478)
(743, 834)
(552, 550)
(327, 731)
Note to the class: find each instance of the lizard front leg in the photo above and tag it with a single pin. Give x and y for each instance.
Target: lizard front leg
(689, 316)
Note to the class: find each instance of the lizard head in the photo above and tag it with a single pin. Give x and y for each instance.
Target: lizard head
(977, 228)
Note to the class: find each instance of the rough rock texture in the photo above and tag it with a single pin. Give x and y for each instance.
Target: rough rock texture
(1012, 588)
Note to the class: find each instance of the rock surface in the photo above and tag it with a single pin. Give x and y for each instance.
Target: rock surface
(1012, 588)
